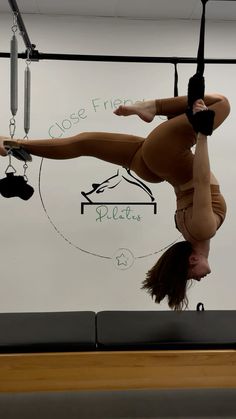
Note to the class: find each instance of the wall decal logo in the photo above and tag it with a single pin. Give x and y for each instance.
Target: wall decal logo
(115, 218)
(119, 210)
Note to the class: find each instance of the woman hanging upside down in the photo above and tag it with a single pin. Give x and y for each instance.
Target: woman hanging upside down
(165, 155)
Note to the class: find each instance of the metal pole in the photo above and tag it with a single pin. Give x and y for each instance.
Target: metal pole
(37, 56)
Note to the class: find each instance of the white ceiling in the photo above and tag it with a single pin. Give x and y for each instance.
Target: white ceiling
(133, 9)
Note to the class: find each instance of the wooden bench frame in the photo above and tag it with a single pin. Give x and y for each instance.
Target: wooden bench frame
(117, 370)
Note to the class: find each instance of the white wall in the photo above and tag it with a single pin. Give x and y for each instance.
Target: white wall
(45, 270)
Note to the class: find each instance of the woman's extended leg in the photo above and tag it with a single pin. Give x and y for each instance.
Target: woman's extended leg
(114, 148)
(118, 149)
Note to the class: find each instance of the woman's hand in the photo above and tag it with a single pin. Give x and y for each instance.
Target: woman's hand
(199, 106)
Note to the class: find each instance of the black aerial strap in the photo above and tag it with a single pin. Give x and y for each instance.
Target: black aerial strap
(200, 54)
(196, 86)
(202, 122)
(176, 79)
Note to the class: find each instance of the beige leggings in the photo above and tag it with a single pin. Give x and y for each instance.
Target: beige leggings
(164, 155)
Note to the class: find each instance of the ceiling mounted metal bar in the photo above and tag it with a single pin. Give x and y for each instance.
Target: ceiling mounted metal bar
(119, 58)
(29, 46)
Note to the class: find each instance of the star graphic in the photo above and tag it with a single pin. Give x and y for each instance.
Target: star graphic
(122, 260)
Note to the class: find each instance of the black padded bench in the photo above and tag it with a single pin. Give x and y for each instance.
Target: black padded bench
(145, 330)
(47, 332)
(117, 350)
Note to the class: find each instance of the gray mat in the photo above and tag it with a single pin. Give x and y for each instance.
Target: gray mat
(142, 404)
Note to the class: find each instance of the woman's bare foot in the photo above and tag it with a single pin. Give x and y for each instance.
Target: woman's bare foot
(14, 148)
(3, 151)
(10, 143)
(145, 110)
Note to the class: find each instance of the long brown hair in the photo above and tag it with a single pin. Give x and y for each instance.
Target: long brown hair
(169, 276)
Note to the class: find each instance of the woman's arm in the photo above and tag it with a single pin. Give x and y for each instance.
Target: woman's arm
(204, 221)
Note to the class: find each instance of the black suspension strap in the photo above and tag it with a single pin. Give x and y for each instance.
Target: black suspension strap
(196, 86)
(176, 80)
(201, 47)
(201, 121)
